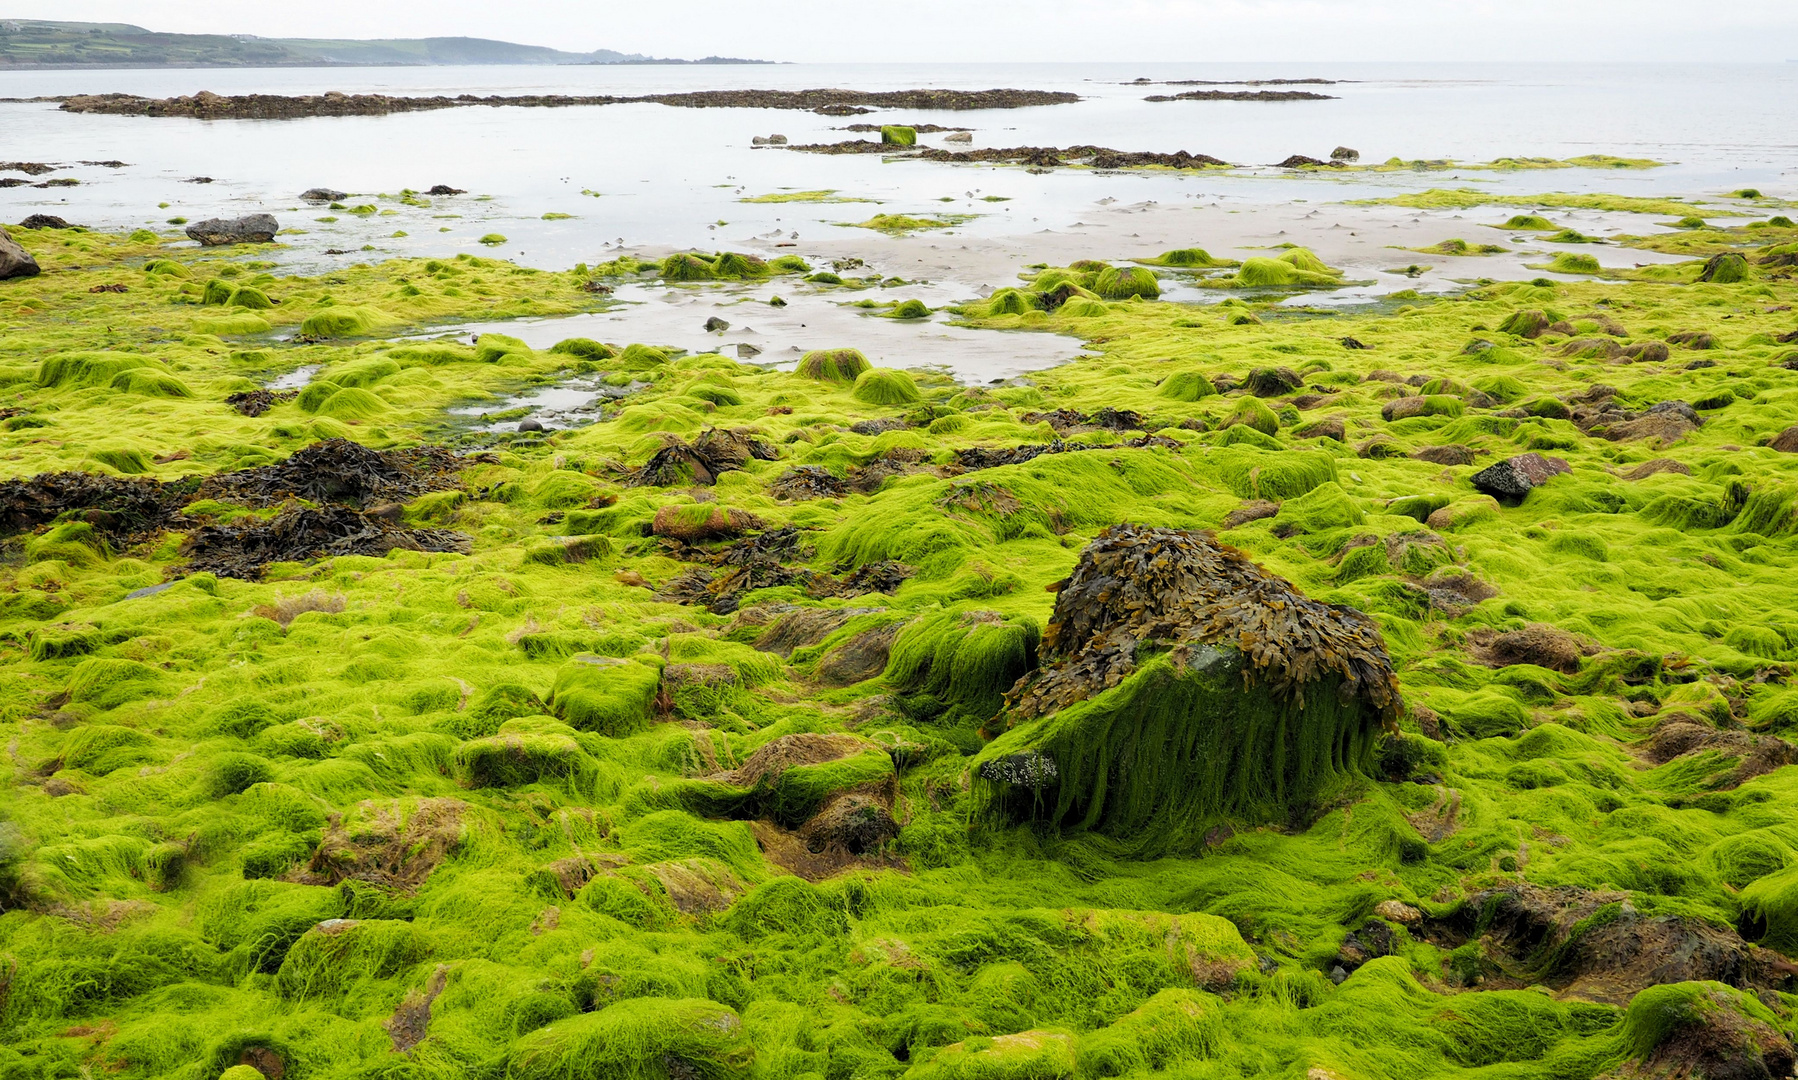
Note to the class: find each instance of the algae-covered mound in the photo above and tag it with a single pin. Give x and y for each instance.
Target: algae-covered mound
(1182, 683)
(832, 365)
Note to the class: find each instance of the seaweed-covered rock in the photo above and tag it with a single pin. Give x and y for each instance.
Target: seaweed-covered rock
(15, 261)
(249, 229)
(1182, 683)
(1515, 477)
(841, 366)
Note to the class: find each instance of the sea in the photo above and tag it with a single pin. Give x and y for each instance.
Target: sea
(575, 185)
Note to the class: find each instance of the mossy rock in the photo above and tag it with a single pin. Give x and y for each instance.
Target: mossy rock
(351, 403)
(1252, 413)
(585, 348)
(897, 135)
(67, 370)
(606, 695)
(1126, 282)
(687, 267)
(651, 1038)
(884, 386)
(345, 321)
(1035, 1055)
(842, 366)
(148, 382)
(1185, 386)
(337, 954)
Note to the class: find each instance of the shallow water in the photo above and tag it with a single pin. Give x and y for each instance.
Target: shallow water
(671, 177)
(812, 319)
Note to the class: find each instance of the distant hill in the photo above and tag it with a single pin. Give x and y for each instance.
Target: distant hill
(28, 43)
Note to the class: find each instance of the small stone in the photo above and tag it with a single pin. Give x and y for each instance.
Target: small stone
(715, 325)
(1343, 153)
(530, 425)
(323, 194)
(1397, 911)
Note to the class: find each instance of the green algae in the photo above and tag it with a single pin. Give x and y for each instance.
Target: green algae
(180, 753)
(823, 195)
(1468, 198)
(909, 223)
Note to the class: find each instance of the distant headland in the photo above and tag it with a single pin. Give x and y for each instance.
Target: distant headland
(39, 43)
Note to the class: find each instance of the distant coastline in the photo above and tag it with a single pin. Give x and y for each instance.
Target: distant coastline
(44, 45)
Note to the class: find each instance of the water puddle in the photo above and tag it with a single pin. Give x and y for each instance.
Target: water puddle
(295, 379)
(759, 332)
(570, 402)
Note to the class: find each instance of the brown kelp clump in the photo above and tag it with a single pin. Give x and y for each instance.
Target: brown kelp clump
(337, 470)
(241, 549)
(1183, 683)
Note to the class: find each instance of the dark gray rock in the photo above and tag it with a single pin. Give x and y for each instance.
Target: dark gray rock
(1343, 153)
(1513, 478)
(249, 229)
(530, 425)
(715, 325)
(15, 261)
(323, 194)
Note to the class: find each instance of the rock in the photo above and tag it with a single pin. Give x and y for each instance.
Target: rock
(1647, 352)
(1254, 510)
(1404, 408)
(1445, 455)
(1786, 442)
(445, 189)
(715, 325)
(860, 658)
(323, 194)
(1513, 478)
(530, 425)
(1398, 911)
(44, 221)
(1343, 153)
(249, 229)
(1352, 343)
(1330, 427)
(1661, 465)
(1538, 643)
(746, 350)
(1693, 339)
(15, 261)
(959, 137)
(769, 140)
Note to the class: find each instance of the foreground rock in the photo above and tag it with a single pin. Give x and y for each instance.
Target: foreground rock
(249, 229)
(15, 261)
(1263, 702)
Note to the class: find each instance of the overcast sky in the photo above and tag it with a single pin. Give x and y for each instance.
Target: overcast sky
(1040, 30)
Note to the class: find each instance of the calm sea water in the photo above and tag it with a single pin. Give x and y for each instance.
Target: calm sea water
(672, 177)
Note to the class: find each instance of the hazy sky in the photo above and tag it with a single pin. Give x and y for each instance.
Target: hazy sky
(983, 30)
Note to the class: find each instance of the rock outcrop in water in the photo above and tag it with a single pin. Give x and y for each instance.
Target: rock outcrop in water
(206, 105)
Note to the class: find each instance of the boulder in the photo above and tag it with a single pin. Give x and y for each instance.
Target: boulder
(44, 221)
(1343, 153)
(769, 140)
(959, 137)
(1513, 478)
(249, 229)
(445, 189)
(15, 261)
(323, 194)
